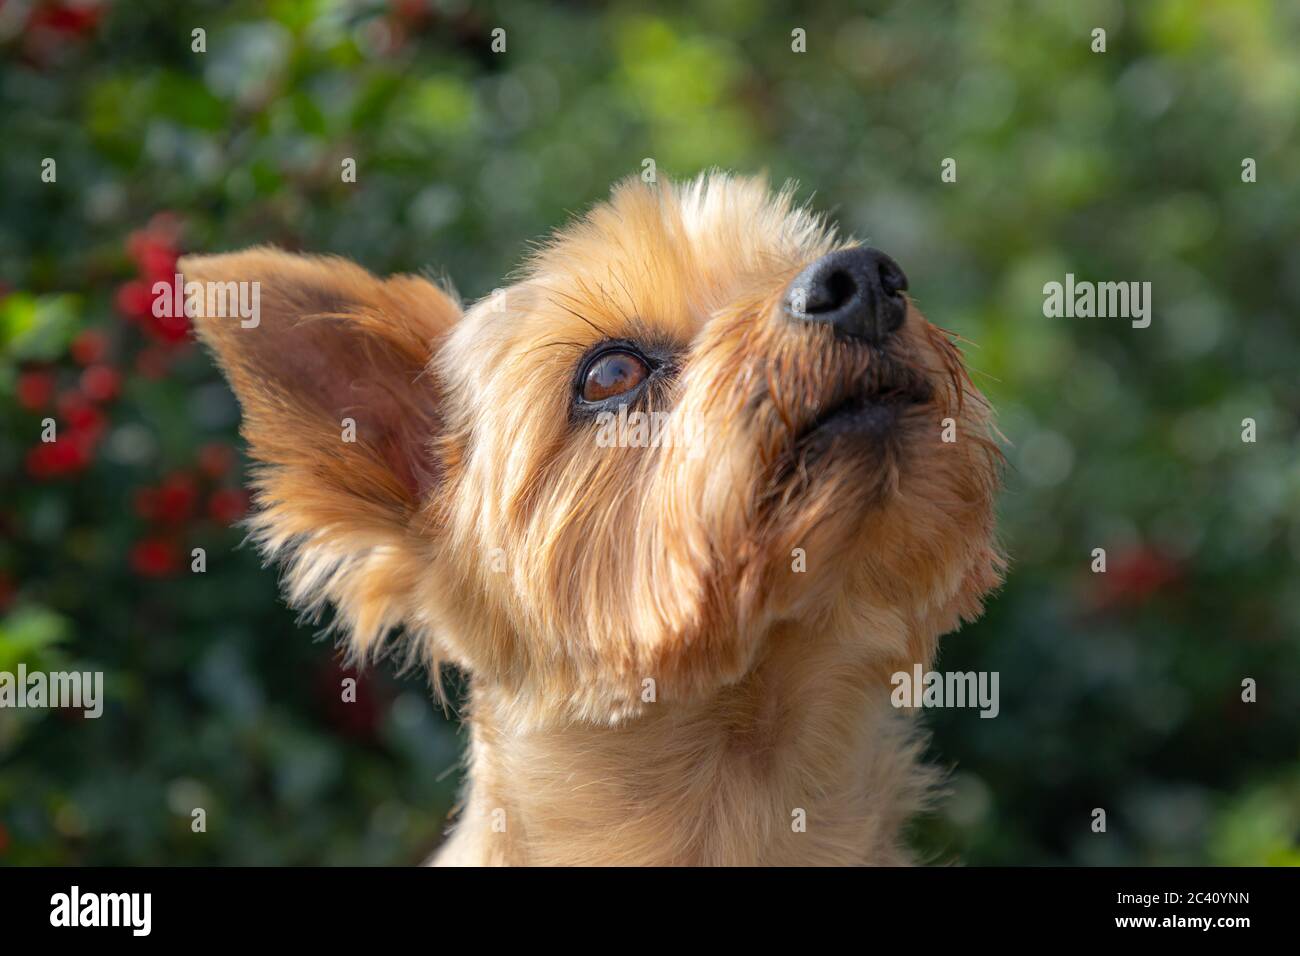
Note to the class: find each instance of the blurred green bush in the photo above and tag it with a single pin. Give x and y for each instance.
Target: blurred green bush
(1120, 690)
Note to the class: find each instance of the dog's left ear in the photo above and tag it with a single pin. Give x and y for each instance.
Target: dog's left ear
(330, 367)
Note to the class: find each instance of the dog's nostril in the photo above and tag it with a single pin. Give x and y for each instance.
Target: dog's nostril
(832, 293)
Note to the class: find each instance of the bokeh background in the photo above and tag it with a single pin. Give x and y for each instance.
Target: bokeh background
(1119, 690)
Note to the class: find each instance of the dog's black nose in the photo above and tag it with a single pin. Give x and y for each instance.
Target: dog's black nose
(857, 292)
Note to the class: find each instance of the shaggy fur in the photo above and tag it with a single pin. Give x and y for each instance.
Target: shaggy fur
(653, 678)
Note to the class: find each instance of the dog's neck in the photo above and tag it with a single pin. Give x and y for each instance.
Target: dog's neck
(802, 762)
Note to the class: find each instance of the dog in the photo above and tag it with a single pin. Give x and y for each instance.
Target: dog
(678, 650)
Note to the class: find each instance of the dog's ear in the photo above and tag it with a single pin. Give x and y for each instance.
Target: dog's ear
(329, 365)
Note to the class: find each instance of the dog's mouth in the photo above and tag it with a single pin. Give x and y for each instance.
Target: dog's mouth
(873, 410)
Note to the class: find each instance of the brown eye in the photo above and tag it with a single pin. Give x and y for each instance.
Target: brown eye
(613, 374)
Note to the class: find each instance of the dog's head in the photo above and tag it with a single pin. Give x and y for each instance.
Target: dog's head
(696, 416)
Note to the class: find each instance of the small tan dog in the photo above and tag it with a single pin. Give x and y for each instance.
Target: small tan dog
(679, 634)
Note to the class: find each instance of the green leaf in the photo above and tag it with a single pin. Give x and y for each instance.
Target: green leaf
(28, 634)
(37, 329)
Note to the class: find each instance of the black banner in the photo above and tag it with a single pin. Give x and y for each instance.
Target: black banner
(331, 906)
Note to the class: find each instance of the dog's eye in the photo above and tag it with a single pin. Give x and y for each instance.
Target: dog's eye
(613, 373)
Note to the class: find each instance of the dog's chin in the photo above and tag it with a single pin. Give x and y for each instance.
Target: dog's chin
(850, 458)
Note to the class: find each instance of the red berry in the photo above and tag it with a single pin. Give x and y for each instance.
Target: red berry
(79, 414)
(89, 347)
(216, 459)
(100, 383)
(35, 390)
(177, 496)
(52, 459)
(135, 300)
(154, 558)
(227, 505)
(68, 18)
(1135, 576)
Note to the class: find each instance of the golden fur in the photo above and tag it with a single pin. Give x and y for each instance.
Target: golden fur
(478, 516)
